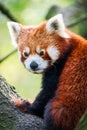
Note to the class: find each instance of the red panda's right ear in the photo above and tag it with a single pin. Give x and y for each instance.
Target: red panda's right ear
(14, 30)
(56, 24)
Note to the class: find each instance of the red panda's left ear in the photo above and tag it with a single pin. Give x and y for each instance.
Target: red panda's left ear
(56, 23)
(14, 30)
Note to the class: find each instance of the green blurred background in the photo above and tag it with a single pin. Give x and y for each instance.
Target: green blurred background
(26, 12)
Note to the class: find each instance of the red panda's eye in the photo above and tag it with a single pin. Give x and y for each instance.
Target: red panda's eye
(25, 54)
(41, 53)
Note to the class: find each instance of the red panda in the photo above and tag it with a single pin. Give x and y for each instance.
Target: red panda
(61, 56)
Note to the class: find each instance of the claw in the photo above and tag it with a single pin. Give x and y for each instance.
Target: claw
(21, 104)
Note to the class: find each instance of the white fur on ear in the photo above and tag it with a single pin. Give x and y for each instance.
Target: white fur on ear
(14, 29)
(56, 23)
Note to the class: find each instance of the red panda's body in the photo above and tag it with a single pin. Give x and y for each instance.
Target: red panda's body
(62, 58)
(70, 100)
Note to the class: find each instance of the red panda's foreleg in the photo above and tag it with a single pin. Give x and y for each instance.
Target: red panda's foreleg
(23, 105)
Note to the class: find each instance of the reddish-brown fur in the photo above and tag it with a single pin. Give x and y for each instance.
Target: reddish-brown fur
(71, 95)
(32, 37)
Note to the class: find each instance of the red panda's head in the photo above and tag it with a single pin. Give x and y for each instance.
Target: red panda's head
(40, 46)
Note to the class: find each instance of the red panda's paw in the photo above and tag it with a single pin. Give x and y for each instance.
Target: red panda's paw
(57, 117)
(23, 105)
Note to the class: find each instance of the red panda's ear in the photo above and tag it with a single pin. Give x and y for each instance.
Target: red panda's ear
(14, 30)
(56, 23)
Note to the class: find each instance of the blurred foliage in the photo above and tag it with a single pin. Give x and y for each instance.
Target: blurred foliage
(27, 12)
(82, 125)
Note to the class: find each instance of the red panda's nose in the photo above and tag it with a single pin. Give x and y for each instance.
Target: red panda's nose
(33, 65)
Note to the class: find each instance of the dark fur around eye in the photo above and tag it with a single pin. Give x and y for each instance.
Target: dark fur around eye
(25, 54)
(41, 53)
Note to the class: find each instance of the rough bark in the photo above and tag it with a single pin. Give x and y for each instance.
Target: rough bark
(72, 13)
(11, 118)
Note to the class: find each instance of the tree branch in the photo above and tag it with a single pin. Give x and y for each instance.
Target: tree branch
(7, 13)
(77, 21)
(9, 54)
(10, 116)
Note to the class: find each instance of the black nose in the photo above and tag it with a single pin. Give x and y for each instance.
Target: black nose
(33, 65)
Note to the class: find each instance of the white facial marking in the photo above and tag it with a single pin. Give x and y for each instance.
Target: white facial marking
(38, 49)
(42, 64)
(56, 23)
(27, 49)
(53, 52)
